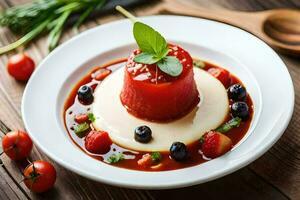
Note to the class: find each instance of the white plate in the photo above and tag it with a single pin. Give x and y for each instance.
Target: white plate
(256, 64)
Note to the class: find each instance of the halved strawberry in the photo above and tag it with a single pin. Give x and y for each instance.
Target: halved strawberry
(215, 144)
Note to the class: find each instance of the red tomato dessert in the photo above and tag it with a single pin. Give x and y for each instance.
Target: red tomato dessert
(151, 94)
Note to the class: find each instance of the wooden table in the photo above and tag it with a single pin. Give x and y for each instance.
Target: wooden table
(276, 175)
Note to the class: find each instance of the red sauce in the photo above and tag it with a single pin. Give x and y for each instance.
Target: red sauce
(195, 158)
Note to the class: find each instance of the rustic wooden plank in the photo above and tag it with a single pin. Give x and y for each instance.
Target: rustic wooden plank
(242, 184)
(244, 180)
(8, 189)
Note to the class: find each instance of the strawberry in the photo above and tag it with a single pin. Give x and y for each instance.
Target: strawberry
(215, 144)
(98, 142)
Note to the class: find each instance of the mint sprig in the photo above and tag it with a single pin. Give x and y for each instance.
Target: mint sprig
(154, 47)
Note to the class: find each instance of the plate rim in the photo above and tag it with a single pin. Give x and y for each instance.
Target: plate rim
(287, 115)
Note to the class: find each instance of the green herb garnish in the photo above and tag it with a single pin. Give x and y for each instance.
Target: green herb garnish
(114, 158)
(44, 16)
(233, 123)
(91, 117)
(80, 129)
(156, 157)
(153, 46)
(199, 64)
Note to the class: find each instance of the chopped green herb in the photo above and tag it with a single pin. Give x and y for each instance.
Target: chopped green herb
(154, 47)
(114, 158)
(233, 123)
(199, 63)
(91, 117)
(156, 157)
(80, 129)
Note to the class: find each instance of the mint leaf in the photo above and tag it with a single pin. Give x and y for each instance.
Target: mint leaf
(91, 117)
(80, 129)
(153, 45)
(149, 40)
(233, 123)
(156, 157)
(170, 65)
(146, 58)
(114, 158)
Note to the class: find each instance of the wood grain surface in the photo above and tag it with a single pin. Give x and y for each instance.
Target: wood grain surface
(276, 175)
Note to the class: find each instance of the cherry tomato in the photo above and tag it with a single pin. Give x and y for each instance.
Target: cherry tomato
(17, 145)
(221, 74)
(39, 176)
(98, 142)
(20, 66)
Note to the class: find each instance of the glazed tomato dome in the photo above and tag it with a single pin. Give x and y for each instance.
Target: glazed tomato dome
(151, 94)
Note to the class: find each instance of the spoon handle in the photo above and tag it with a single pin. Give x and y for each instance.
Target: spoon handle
(250, 22)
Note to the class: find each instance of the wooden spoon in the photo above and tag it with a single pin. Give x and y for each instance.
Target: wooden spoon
(279, 28)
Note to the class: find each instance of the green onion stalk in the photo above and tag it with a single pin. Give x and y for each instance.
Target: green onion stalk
(44, 16)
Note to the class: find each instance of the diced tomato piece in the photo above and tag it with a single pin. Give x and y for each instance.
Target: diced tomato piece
(81, 118)
(101, 74)
(145, 161)
(221, 74)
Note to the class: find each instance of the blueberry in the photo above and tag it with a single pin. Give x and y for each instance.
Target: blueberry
(240, 109)
(237, 92)
(85, 95)
(178, 151)
(143, 134)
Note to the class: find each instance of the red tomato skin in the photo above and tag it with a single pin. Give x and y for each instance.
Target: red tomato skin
(221, 74)
(45, 180)
(20, 66)
(98, 142)
(17, 145)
